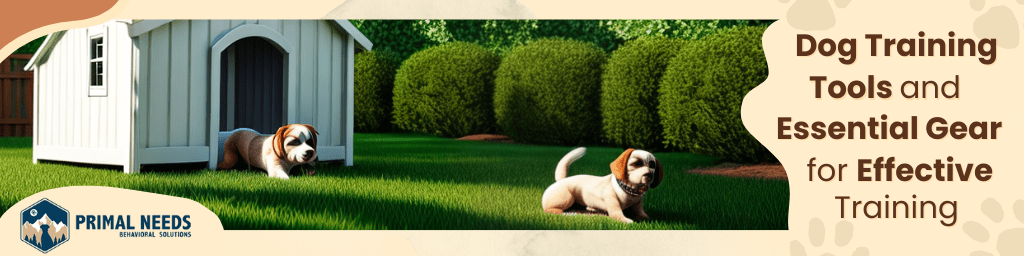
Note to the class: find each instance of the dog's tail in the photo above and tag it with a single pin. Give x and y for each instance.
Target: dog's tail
(230, 152)
(563, 165)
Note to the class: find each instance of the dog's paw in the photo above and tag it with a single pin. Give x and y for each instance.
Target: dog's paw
(623, 219)
(554, 211)
(281, 175)
(311, 170)
(1006, 241)
(812, 14)
(998, 22)
(816, 234)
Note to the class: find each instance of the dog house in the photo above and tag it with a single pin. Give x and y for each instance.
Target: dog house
(142, 92)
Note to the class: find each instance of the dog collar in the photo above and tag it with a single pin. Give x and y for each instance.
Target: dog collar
(632, 190)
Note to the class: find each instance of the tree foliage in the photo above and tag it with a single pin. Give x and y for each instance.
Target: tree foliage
(31, 47)
(405, 37)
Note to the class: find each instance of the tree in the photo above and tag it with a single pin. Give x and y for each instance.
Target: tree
(30, 47)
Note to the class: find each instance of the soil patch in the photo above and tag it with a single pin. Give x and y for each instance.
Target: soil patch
(761, 171)
(488, 137)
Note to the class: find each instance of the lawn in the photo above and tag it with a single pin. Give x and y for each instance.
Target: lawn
(413, 181)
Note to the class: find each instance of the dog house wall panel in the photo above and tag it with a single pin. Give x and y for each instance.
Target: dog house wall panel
(73, 125)
(199, 49)
(165, 131)
(319, 82)
(173, 85)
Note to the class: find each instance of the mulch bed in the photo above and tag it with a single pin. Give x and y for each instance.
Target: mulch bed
(760, 171)
(488, 138)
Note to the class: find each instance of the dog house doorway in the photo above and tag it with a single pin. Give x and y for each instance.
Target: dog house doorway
(252, 86)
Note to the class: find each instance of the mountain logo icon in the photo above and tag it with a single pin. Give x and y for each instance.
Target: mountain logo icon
(45, 225)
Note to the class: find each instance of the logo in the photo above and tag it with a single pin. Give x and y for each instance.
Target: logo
(44, 225)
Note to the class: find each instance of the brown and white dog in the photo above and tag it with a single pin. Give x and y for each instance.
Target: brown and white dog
(292, 145)
(616, 194)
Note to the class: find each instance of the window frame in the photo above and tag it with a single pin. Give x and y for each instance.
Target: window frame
(100, 33)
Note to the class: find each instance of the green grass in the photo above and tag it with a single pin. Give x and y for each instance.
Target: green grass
(411, 181)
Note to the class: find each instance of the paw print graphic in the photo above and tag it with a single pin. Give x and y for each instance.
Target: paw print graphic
(998, 22)
(816, 236)
(1008, 242)
(812, 14)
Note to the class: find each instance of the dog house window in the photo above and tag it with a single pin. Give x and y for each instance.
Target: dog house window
(97, 61)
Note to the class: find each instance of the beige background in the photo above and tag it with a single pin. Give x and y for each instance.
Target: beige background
(988, 93)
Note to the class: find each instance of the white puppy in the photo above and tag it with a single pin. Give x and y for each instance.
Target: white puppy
(622, 191)
(291, 146)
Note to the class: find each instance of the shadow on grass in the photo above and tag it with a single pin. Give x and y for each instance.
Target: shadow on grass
(445, 160)
(413, 157)
(83, 165)
(721, 203)
(378, 214)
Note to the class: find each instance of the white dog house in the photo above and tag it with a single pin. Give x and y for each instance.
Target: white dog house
(135, 93)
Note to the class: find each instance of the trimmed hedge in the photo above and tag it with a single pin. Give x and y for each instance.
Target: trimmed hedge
(547, 92)
(629, 92)
(446, 90)
(703, 89)
(374, 82)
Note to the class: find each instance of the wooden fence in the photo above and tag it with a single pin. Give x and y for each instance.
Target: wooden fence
(15, 97)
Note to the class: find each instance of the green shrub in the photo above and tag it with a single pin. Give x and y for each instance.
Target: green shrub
(629, 92)
(446, 90)
(547, 92)
(374, 82)
(703, 89)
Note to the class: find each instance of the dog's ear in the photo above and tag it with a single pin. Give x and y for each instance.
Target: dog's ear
(619, 165)
(313, 142)
(279, 142)
(659, 175)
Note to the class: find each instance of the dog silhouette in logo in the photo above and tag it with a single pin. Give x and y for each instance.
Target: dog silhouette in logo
(45, 225)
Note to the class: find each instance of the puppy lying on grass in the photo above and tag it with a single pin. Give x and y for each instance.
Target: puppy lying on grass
(619, 193)
(292, 145)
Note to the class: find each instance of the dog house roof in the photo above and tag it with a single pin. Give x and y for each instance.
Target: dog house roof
(138, 27)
